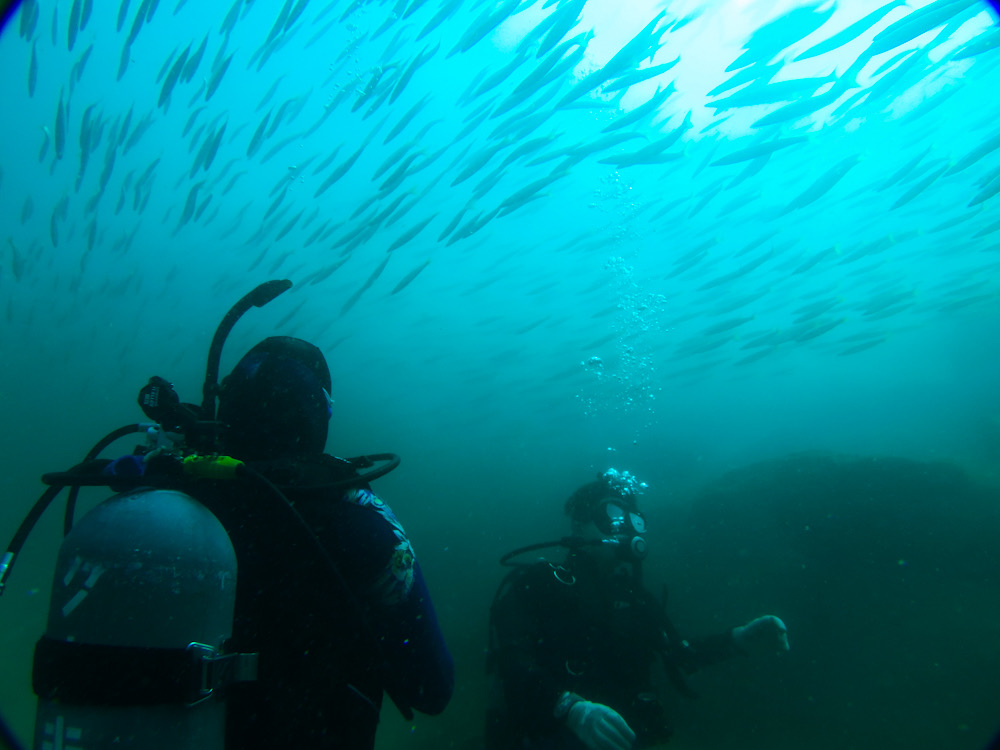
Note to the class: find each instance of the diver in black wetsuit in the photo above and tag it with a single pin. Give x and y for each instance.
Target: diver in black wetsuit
(572, 643)
(336, 607)
(278, 619)
(328, 648)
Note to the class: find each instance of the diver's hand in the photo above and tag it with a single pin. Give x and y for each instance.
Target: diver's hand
(765, 635)
(599, 727)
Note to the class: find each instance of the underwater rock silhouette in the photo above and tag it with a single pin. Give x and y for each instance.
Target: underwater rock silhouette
(887, 573)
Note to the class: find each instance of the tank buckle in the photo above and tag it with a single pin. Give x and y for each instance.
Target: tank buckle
(214, 670)
(203, 657)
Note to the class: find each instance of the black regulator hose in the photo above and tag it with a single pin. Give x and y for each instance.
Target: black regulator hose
(21, 535)
(365, 462)
(256, 298)
(569, 542)
(84, 475)
(60, 480)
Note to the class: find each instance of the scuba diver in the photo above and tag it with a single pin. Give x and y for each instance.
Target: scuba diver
(245, 589)
(572, 643)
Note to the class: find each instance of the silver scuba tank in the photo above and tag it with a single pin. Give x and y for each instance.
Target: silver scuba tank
(142, 603)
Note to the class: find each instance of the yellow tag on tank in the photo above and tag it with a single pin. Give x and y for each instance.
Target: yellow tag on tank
(211, 467)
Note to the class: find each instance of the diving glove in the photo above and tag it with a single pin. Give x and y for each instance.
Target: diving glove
(599, 727)
(764, 635)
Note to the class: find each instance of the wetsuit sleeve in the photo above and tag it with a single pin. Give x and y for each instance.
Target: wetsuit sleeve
(419, 671)
(688, 655)
(691, 655)
(520, 655)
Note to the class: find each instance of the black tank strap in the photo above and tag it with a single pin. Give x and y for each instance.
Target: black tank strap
(87, 673)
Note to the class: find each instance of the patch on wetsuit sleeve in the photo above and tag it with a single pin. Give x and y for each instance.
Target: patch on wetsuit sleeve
(394, 584)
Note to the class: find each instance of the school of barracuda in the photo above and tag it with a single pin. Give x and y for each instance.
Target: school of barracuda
(784, 208)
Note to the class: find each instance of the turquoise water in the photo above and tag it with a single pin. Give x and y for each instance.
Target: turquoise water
(529, 251)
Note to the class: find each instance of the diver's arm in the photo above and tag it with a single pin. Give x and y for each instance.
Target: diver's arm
(763, 635)
(418, 669)
(691, 655)
(687, 655)
(420, 672)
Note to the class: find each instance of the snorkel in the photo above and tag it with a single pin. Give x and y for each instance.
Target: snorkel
(258, 297)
